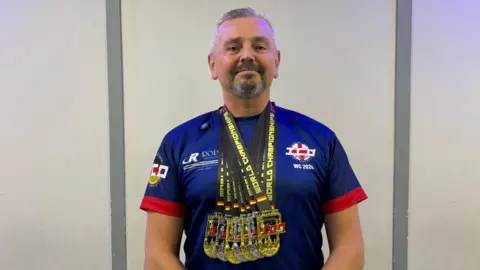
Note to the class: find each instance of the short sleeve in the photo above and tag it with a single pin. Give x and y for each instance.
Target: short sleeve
(164, 191)
(343, 189)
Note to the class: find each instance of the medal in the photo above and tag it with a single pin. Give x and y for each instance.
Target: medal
(211, 235)
(228, 248)
(232, 247)
(270, 226)
(252, 229)
(252, 245)
(212, 232)
(221, 236)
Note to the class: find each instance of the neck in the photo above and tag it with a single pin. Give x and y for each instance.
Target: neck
(246, 107)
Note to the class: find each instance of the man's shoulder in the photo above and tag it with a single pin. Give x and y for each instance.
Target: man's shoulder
(300, 120)
(191, 126)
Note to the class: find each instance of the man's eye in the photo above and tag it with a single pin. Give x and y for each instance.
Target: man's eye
(261, 48)
(232, 48)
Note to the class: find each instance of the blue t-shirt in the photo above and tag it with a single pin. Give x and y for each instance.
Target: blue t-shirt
(314, 178)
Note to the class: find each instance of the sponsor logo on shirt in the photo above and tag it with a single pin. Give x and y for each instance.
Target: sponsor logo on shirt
(158, 171)
(301, 152)
(201, 160)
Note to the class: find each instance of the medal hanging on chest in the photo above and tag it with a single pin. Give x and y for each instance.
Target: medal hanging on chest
(246, 226)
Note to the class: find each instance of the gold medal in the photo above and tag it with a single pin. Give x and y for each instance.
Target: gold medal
(211, 235)
(270, 227)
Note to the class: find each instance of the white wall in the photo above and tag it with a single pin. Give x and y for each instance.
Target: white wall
(444, 213)
(337, 66)
(54, 156)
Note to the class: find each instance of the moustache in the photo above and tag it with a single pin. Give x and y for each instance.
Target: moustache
(249, 66)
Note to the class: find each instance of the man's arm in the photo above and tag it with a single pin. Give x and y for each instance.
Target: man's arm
(162, 242)
(345, 240)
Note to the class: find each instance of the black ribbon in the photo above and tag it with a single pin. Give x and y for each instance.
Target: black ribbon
(249, 172)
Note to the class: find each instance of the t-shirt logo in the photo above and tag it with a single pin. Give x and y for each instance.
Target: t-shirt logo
(202, 160)
(158, 171)
(192, 159)
(300, 152)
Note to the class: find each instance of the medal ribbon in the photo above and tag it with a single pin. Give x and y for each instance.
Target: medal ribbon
(255, 185)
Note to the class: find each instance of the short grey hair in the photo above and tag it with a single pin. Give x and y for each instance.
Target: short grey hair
(240, 13)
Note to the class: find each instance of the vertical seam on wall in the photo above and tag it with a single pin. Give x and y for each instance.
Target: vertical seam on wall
(403, 53)
(117, 134)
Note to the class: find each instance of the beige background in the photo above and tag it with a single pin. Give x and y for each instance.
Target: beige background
(54, 139)
(444, 210)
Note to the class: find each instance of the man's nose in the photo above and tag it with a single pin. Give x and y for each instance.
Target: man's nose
(247, 55)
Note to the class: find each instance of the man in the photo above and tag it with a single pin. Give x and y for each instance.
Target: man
(251, 183)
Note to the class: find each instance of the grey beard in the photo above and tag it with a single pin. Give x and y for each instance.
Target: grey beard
(246, 89)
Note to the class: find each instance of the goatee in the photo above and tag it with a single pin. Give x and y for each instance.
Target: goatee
(248, 85)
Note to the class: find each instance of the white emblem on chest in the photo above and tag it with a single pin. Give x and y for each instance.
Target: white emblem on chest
(301, 152)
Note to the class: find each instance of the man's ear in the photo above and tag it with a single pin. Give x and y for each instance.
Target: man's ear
(277, 64)
(211, 66)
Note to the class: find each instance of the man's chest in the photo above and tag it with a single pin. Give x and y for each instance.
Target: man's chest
(299, 172)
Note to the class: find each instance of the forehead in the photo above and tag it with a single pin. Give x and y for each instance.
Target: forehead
(244, 28)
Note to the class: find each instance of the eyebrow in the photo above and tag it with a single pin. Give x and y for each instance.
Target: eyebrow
(255, 39)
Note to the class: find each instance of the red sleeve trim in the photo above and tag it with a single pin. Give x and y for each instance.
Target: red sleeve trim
(353, 197)
(162, 206)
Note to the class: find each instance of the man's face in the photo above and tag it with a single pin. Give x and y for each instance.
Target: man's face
(245, 59)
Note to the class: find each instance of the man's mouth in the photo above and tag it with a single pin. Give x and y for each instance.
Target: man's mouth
(246, 70)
